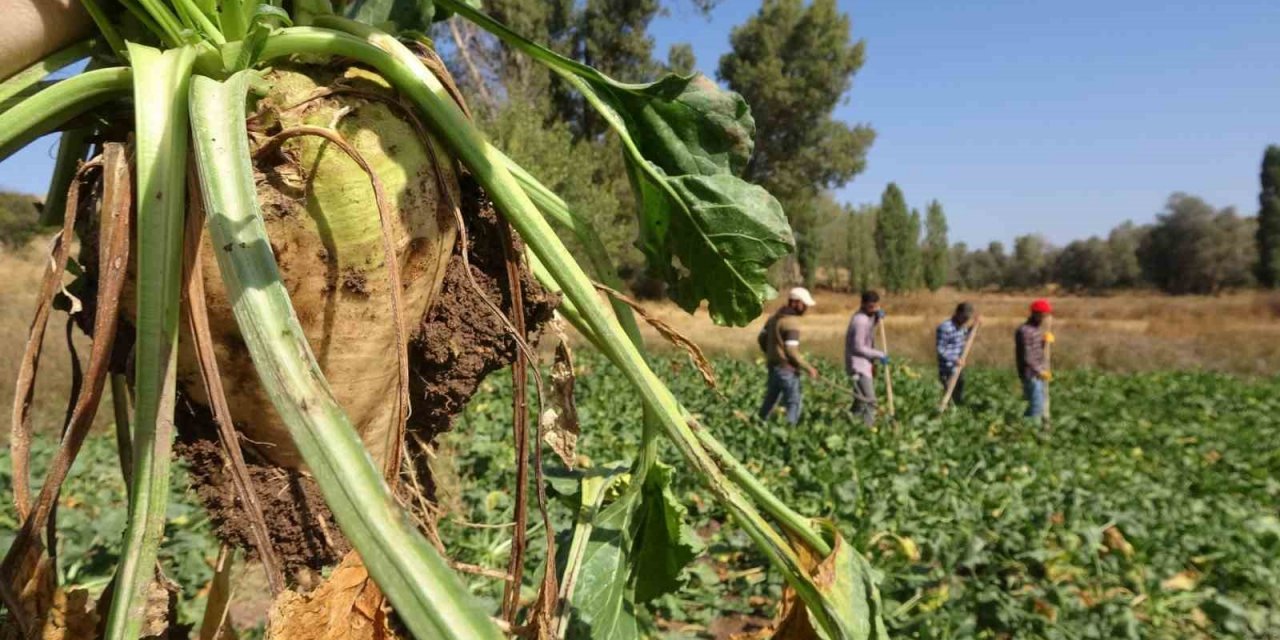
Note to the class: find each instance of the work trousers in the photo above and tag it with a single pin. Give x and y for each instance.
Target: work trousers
(783, 383)
(957, 395)
(864, 397)
(1033, 393)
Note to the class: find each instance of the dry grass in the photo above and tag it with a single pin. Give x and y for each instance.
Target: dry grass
(20, 275)
(1236, 333)
(1138, 331)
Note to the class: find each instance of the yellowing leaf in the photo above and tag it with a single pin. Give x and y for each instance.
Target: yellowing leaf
(1181, 581)
(847, 584)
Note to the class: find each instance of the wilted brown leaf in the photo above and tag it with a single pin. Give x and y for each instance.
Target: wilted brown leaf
(1115, 541)
(347, 606)
(1046, 610)
(71, 617)
(54, 613)
(670, 334)
(559, 423)
(848, 591)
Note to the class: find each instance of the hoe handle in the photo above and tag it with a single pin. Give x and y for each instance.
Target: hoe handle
(1048, 365)
(888, 372)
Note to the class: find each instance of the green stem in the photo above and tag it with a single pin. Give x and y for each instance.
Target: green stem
(793, 521)
(108, 29)
(121, 406)
(167, 21)
(160, 125)
(555, 207)
(426, 594)
(52, 107)
(200, 21)
(558, 210)
(73, 146)
(408, 75)
(29, 77)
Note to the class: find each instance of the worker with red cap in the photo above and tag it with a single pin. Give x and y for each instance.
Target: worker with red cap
(1029, 341)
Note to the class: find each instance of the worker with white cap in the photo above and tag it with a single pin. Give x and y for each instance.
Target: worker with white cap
(780, 341)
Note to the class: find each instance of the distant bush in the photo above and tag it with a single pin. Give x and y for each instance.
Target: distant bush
(19, 219)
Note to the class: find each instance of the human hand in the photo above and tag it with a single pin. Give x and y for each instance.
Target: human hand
(884, 361)
(960, 362)
(1046, 375)
(1048, 337)
(880, 314)
(812, 371)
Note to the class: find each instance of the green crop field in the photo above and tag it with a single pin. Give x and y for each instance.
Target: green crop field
(1150, 511)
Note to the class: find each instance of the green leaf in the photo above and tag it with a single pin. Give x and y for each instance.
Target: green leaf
(636, 551)
(160, 117)
(397, 15)
(665, 543)
(726, 232)
(603, 601)
(713, 240)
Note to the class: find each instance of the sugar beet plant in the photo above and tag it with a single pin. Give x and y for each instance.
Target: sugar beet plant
(196, 116)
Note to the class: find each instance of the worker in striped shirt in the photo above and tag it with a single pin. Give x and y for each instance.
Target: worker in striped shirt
(950, 340)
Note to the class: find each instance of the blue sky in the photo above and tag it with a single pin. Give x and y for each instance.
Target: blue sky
(1064, 118)
(1021, 116)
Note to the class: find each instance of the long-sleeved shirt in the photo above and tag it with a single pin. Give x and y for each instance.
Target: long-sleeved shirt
(950, 345)
(1028, 343)
(859, 345)
(780, 339)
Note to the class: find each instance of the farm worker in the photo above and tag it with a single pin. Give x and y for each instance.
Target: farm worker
(951, 337)
(1029, 341)
(860, 353)
(780, 341)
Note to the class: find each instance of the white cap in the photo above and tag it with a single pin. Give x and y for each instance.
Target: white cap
(802, 294)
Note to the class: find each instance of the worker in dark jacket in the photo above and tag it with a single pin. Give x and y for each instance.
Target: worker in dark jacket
(780, 340)
(1029, 341)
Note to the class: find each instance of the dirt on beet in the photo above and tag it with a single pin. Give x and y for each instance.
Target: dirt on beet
(459, 343)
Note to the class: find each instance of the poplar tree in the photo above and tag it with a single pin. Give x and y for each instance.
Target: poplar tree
(936, 256)
(1269, 220)
(893, 228)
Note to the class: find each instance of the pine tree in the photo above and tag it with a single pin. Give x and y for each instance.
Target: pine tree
(893, 235)
(681, 59)
(794, 63)
(936, 255)
(1269, 220)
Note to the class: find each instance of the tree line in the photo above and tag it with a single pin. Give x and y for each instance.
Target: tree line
(1192, 247)
(794, 62)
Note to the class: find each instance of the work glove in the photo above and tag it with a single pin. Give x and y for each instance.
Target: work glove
(1046, 375)
(884, 361)
(1048, 337)
(880, 314)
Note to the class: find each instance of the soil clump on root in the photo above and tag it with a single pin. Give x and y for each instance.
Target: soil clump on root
(459, 343)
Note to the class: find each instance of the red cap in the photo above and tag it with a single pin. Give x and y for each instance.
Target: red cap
(1041, 306)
